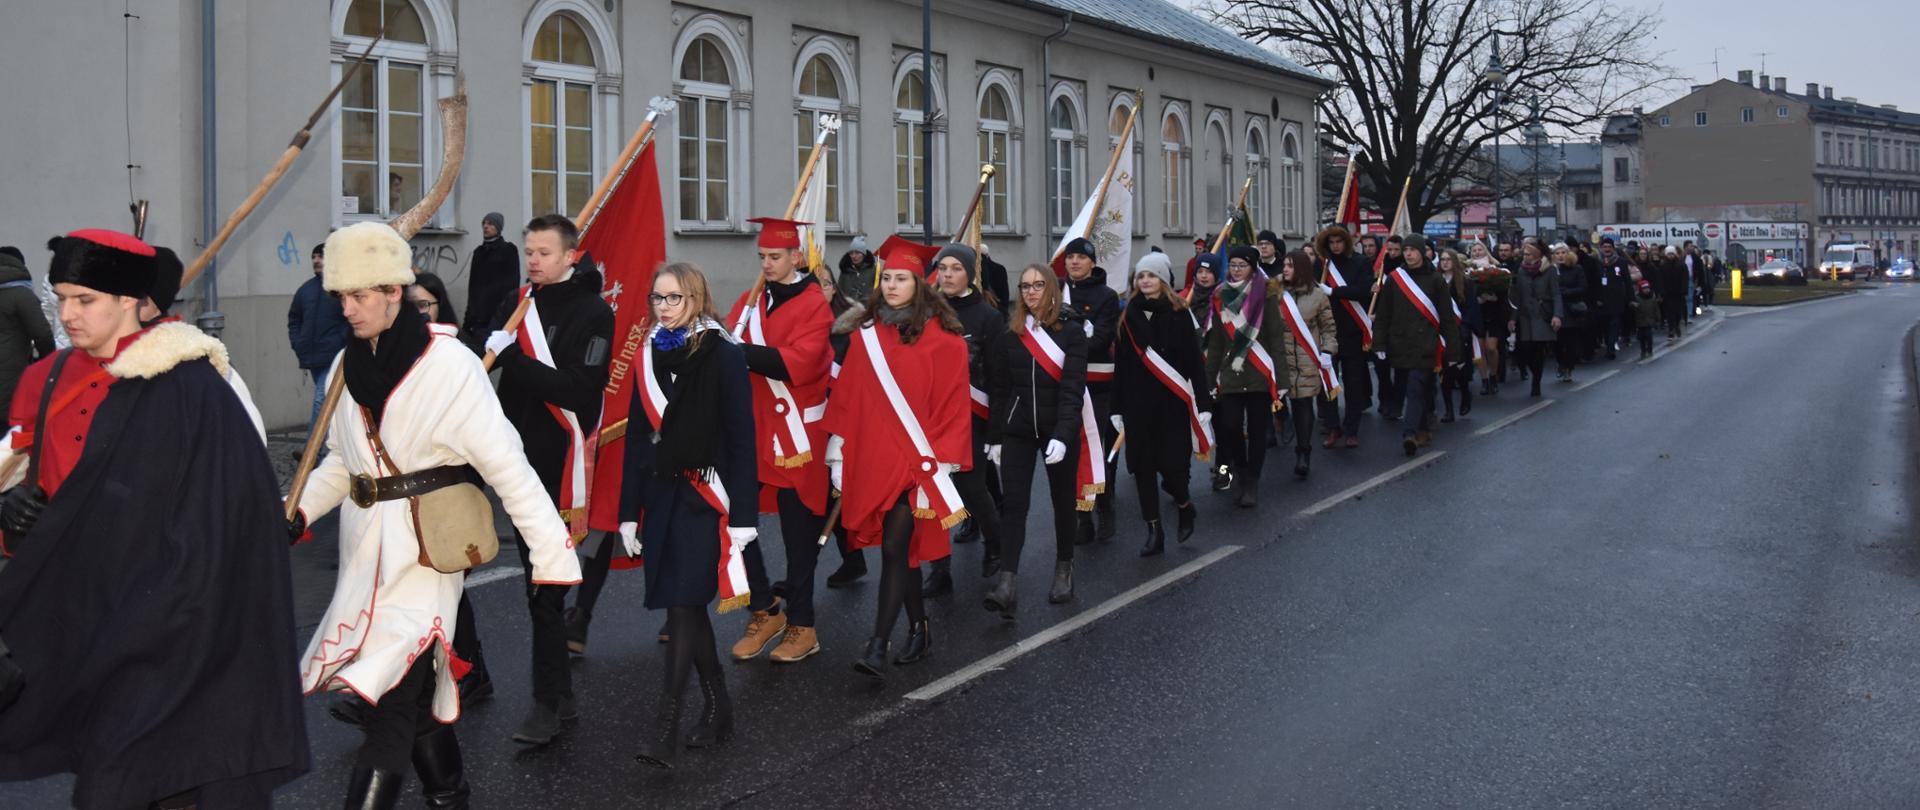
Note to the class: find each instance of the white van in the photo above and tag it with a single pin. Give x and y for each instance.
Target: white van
(1847, 261)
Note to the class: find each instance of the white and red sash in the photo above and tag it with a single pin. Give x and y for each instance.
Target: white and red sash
(791, 448)
(1297, 324)
(577, 474)
(1090, 478)
(1358, 312)
(733, 571)
(1479, 354)
(936, 497)
(1423, 305)
(979, 402)
(1182, 388)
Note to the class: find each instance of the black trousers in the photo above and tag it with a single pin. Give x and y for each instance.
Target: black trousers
(976, 493)
(1357, 393)
(1389, 384)
(546, 607)
(1568, 347)
(1673, 310)
(466, 637)
(800, 536)
(1159, 460)
(1645, 334)
(1416, 386)
(1532, 355)
(403, 713)
(1300, 413)
(1241, 423)
(1018, 455)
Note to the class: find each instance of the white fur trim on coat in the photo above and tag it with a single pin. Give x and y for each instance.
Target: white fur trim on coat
(165, 346)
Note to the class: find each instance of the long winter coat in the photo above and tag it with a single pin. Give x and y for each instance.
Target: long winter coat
(1573, 290)
(983, 325)
(1358, 273)
(579, 330)
(1536, 301)
(1317, 310)
(387, 608)
(1400, 330)
(316, 328)
(1143, 403)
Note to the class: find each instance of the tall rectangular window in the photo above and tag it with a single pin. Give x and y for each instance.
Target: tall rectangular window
(1746, 115)
(562, 137)
(1062, 185)
(1619, 170)
(1622, 211)
(909, 152)
(996, 150)
(383, 125)
(1700, 119)
(706, 135)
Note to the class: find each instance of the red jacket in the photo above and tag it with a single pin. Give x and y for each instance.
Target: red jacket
(798, 330)
(879, 460)
(76, 399)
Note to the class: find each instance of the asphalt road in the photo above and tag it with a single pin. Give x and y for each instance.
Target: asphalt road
(1685, 582)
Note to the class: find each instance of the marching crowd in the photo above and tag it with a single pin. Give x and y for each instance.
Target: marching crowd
(905, 402)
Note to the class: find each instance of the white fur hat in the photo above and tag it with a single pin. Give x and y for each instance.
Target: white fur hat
(366, 255)
(1158, 264)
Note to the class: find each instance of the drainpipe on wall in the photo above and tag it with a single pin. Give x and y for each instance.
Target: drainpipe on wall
(211, 320)
(1046, 110)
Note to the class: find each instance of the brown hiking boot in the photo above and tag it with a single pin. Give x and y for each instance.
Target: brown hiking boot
(796, 645)
(761, 630)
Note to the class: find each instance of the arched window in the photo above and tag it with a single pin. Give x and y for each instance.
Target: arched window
(1174, 156)
(712, 81)
(913, 173)
(822, 86)
(1222, 190)
(1065, 144)
(1259, 167)
(571, 92)
(386, 148)
(1290, 174)
(999, 146)
(1116, 121)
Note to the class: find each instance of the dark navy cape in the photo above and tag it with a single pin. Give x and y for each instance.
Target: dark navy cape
(151, 609)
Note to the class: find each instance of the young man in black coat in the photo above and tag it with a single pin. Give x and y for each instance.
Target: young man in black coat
(1350, 303)
(496, 271)
(1087, 295)
(1616, 296)
(551, 394)
(984, 325)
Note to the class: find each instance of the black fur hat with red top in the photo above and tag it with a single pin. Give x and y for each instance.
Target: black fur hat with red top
(109, 261)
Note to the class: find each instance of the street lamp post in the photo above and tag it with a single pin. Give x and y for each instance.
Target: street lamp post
(1496, 75)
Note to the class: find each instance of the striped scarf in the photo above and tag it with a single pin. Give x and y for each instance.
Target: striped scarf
(1239, 306)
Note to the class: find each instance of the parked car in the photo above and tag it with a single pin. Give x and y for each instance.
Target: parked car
(1902, 270)
(1776, 271)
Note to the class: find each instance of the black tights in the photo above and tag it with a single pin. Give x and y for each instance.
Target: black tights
(593, 573)
(689, 646)
(898, 584)
(1300, 412)
(1533, 357)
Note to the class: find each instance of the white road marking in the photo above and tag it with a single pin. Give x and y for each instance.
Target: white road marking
(493, 575)
(1000, 659)
(1515, 416)
(1347, 494)
(1595, 381)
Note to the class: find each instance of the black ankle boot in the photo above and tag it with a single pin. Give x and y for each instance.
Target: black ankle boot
(436, 760)
(1005, 596)
(989, 560)
(577, 621)
(1466, 400)
(1222, 478)
(969, 532)
(1103, 506)
(373, 789)
(873, 663)
(919, 643)
(663, 748)
(1300, 465)
(939, 581)
(1082, 528)
(716, 715)
(1188, 514)
(1062, 590)
(1156, 540)
(852, 568)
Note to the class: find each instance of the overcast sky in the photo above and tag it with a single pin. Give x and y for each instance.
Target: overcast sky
(1862, 48)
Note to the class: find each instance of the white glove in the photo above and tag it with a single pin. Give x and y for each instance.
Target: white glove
(630, 537)
(835, 445)
(993, 453)
(1381, 355)
(1206, 421)
(1056, 451)
(1326, 360)
(1119, 426)
(741, 537)
(498, 342)
(833, 476)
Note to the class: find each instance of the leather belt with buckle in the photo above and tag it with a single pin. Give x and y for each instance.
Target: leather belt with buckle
(366, 490)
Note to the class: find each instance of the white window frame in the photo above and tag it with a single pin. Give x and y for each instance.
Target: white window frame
(1746, 115)
(1070, 144)
(1699, 118)
(1176, 170)
(908, 222)
(1260, 165)
(439, 62)
(1780, 111)
(1292, 180)
(842, 143)
(603, 80)
(1220, 125)
(1122, 103)
(738, 104)
(1012, 132)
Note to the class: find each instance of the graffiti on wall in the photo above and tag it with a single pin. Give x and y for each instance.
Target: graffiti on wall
(440, 260)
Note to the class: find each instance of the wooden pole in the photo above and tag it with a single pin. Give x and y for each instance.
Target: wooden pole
(1346, 188)
(315, 438)
(274, 174)
(828, 125)
(973, 206)
(1378, 278)
(1113, 163)
(1221, 241)
(641, 137)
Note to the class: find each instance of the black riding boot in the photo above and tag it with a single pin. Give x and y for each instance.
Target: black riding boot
(716, 715)
(373, 789)
(1156, 540)
(664, 746)
(436, 760)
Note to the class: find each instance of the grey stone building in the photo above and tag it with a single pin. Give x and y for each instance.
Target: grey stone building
(1038, 87)
(1739, 150)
